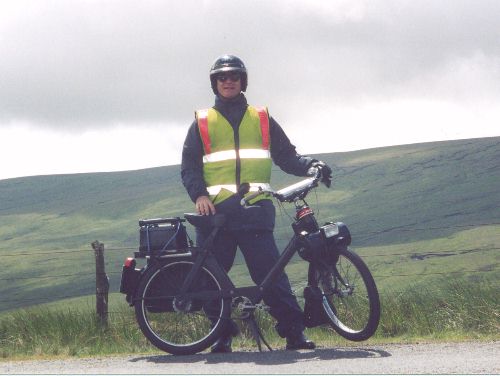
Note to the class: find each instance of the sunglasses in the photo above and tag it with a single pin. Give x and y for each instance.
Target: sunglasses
(234, 77)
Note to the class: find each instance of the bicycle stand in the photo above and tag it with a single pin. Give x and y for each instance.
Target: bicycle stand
(257, 334)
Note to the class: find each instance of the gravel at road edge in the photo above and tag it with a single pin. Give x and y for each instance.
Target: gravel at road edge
(449, 358)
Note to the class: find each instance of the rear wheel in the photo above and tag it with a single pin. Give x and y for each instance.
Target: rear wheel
(179, 326)
(349, 296)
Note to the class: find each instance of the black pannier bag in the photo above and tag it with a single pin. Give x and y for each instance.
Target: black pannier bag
(161, 234)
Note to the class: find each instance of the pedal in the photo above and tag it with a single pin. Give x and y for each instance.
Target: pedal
(244, 304)
(263, 307)
(243, 307)
(247, 307)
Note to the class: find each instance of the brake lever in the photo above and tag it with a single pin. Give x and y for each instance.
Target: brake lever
(246, 199)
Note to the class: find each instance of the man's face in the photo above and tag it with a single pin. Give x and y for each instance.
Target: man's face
(229, 84)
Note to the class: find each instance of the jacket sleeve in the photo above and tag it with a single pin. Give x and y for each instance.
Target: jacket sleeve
(192, 164)
(284, 154)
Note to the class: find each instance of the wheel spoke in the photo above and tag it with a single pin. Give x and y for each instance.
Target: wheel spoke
(350, 297)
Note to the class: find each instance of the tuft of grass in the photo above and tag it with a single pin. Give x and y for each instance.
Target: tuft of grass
(48, 332)
(462, 306)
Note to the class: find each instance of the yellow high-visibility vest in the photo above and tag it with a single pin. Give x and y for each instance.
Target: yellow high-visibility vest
(224, 165)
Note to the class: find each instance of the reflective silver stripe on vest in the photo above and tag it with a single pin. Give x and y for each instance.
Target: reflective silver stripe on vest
(255, 153)
(254, 187)
(231, 154)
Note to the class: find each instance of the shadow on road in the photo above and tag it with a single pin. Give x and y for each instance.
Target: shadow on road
(269, 357)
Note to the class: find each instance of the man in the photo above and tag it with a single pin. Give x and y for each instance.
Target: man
(228, 145)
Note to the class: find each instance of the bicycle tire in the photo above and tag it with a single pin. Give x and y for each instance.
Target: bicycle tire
(350, 298)
(178, 332)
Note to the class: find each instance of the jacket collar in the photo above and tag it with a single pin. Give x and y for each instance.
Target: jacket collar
(226, 104)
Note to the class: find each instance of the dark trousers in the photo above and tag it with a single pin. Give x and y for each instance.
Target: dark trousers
(261, 253)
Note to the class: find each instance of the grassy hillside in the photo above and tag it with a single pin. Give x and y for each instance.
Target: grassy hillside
(420, 199)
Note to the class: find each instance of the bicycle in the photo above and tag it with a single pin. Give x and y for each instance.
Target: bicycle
(183, 299)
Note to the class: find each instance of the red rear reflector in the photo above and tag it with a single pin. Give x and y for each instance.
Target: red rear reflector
(129, 262)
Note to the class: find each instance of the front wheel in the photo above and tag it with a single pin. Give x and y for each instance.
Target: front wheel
(349, 296)
(175, 325)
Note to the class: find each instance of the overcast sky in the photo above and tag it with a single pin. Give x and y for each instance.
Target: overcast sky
(113, 85)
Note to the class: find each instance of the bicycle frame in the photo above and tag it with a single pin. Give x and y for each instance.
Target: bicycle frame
(304, 225)
(203, 256)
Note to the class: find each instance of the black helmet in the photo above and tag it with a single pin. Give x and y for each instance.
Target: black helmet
(228, 63)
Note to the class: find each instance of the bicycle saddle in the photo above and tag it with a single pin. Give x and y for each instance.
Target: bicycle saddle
(206, 221)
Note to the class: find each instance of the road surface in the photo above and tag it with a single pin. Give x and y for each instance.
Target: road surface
(450, 358)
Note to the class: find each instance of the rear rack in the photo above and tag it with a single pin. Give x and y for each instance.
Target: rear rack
(155, 221)
(170, 253)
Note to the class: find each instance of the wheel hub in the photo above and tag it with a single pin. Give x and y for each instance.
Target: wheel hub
(182, 304)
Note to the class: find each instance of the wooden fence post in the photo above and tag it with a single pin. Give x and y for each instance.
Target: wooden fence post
(101, 283)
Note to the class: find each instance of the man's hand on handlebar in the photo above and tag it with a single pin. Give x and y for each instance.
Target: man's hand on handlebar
(325, 171)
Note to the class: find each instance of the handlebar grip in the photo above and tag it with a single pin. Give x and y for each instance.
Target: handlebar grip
(314, 172)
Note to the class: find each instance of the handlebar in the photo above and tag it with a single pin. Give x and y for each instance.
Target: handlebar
(292, 192)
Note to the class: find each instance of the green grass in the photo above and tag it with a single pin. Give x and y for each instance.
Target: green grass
(445, 310)
(463, 307)
(52, 332)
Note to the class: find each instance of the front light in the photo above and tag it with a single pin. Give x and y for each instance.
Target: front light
(330, 230)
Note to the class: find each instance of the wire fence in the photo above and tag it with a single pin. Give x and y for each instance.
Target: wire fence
(68, 251)
(115, 269)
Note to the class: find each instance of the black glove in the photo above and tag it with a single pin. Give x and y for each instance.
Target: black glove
(326, 172)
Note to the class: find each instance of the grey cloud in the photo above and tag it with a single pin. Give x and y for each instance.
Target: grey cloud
(392, 45)
(84, 64)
